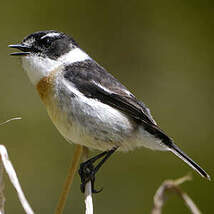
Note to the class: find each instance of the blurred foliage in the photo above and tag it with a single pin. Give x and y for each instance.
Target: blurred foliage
(162, 51)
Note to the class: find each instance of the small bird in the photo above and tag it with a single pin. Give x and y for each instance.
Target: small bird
(87, 104)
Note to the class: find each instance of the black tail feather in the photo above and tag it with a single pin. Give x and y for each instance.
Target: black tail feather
(188, 160)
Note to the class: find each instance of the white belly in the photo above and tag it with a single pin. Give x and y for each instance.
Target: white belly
(88, 122)
(91, 123)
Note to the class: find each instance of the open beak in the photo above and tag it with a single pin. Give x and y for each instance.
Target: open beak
(24, 48)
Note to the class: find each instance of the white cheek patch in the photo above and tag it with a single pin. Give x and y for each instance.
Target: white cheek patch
(38, 67)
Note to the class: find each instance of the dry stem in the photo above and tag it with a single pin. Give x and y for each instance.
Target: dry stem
(69, 179)
(172, 185)
(7, 121)
(88, 192)
(14, 180)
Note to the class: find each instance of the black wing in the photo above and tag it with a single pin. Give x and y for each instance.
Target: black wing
(94, 82)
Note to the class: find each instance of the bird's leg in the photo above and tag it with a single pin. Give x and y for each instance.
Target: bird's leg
(87, 169)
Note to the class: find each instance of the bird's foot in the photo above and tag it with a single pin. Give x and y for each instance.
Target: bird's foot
(87, 173)
(87, 170)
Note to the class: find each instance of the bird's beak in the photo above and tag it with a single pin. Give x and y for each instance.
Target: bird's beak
(26, 50)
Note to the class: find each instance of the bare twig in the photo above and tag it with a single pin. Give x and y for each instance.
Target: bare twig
(5, 163)
(7, 121)
(14, 180)
(172, 186)
(88, 192)
(2, 198)
(69, 179)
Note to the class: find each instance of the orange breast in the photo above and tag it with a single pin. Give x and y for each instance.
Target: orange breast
(45, 86)
(46, 90)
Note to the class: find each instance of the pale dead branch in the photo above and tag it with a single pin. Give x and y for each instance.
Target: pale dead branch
(173, 186)
(6, 164)
(88, 192)
(2, 198)
(69, 179)
(14, 180)
(7, 121)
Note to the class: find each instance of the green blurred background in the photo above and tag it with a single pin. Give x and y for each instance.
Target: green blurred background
(162, 51)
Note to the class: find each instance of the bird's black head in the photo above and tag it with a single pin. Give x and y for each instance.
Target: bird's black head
(49, 43)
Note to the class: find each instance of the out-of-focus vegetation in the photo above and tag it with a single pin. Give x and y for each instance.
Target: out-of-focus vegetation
(162, 51)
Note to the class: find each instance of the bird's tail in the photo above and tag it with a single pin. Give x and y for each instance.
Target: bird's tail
(173, 148)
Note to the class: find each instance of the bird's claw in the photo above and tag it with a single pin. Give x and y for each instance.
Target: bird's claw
(87, 173)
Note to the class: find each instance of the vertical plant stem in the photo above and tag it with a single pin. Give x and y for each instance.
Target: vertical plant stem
(69, 179)
(88, 192)
(2, 198)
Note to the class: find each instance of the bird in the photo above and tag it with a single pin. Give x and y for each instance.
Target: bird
(88, 105)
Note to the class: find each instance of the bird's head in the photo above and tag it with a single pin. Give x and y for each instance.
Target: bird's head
(43, 51)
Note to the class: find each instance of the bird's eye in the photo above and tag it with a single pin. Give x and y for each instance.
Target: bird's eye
(46, 41)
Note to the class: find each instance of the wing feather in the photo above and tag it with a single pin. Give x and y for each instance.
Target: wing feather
(94, 82)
